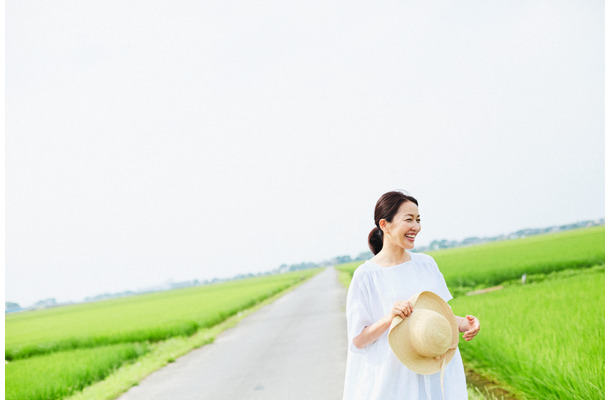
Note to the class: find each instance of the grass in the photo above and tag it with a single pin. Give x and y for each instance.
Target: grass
(37, 342)
(160, 355)
(346, 271)
(57, 375)
(544, 339)
(151, 317)
(493, 263)
(472, 267)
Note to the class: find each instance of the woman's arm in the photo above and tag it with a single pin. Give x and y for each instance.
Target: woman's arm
(469, 325)
(371, 333)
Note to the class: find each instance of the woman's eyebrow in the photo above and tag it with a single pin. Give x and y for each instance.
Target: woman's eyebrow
(407, 215)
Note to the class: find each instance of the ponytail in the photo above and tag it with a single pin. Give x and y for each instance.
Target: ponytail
(376, 240)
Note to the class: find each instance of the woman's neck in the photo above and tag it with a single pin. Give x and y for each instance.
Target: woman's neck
(391, 256)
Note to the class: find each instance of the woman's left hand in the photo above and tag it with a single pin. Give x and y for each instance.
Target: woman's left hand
(473, 327)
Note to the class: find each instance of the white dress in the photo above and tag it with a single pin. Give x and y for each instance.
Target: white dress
(374, 372)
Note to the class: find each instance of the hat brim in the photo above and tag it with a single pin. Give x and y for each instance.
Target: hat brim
(401, 343)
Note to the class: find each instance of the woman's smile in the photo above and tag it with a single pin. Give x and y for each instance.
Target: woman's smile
(406, 224)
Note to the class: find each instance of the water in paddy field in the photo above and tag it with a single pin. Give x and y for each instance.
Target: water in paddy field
(489, 388)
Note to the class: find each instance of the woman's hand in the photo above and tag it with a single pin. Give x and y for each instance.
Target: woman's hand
(402, 308)
(472, 328)
(371, 333)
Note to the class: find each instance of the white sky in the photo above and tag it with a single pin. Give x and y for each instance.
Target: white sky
(156, 140)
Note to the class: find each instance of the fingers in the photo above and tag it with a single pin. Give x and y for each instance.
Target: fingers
(407, 308)
(402, 309)
(473, 328)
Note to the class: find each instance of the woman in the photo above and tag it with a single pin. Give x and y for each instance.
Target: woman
(378, 293)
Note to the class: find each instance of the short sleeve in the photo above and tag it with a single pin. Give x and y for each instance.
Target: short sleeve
(357, 312)
(441, 285)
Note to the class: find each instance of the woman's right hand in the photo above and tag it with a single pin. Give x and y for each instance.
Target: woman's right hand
(370, 333)
(402, 308)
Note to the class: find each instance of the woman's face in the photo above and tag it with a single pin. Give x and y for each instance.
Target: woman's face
(404, 226)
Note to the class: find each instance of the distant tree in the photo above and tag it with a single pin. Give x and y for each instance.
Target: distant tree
(46, 302)
(11, 306)
(342, 259)
(365, 255)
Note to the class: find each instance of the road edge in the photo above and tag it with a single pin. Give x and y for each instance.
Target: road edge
(166, 352)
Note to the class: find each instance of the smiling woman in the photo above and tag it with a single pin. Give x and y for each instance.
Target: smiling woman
(387, 207)
(383, 294)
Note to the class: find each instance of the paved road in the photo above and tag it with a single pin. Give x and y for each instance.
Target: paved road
(294, 348)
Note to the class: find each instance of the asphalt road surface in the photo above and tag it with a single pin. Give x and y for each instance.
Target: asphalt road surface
(294, 348)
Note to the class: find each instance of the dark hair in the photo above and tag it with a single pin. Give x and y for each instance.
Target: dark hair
(386, 208)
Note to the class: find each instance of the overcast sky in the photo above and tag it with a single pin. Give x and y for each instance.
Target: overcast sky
(157, 140)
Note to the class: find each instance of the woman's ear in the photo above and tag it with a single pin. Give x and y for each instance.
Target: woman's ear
(382, 225)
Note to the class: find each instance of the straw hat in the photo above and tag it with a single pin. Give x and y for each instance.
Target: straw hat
(425, 341)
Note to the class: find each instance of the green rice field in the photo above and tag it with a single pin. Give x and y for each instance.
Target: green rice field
(57, 375)
(55, 352)
(149, 317)
(506, 260)
(539, 340)
(494, 263)
(545, 339)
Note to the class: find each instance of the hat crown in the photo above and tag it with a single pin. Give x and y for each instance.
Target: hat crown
(428, 338)
(431, 333)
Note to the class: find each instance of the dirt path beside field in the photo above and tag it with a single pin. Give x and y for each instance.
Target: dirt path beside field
(294, 348)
